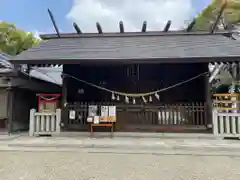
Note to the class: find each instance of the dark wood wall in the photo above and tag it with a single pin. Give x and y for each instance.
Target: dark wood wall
(137, 78)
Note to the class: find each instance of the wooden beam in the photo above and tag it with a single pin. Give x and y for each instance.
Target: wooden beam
(166, 28)
(64, 100)
(208, 99)
(121, 27)
(99, 28)
(77, 29)
(144, 26)
(28, 69)
(238, 71)
(213, 28)
(54, 22)
(10, 109)
(190, 26)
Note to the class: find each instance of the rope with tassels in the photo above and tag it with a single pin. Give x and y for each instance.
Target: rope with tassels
(132, 95)
(136, 95)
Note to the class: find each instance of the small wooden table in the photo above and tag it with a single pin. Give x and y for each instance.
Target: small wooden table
(102, 125)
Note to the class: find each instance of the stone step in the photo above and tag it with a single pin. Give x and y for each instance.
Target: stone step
(141, 135)
(206, 151)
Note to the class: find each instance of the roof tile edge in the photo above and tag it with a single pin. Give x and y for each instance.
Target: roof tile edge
(131, 34)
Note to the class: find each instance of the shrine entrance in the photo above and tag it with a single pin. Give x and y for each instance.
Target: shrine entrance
(177, 105)
(180, 106)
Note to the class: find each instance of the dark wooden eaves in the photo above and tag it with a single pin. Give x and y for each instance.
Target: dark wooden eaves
(131, 34)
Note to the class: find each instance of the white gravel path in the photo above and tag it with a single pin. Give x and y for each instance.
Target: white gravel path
(86, 166)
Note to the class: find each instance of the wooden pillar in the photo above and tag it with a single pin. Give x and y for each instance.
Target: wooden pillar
(208, 97)
(10, 109)
(238, 72)
(28, 69)
(64, 102)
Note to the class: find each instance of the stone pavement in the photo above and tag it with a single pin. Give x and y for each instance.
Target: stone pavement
(148, 145)
(87, 166)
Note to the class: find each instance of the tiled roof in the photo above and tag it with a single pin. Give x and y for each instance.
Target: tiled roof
(138, 47)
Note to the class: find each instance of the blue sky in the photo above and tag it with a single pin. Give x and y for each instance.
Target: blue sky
(31, 15)
(200, 4)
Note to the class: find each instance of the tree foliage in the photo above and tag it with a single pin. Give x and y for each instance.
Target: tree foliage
(13, 41)
(231, 14)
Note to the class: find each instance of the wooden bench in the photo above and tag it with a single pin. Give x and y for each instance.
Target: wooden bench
(101, 125)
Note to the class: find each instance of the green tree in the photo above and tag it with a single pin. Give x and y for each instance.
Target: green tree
(231, 14)
(13, 41)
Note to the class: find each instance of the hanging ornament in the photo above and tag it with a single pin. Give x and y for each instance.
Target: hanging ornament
(157, 96)
(150, 98)
(126, 99)
(134, 101)
(144, 99)
(118, 98)
(113, 96)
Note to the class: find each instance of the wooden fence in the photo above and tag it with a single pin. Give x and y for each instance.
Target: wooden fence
(145, 114)
(44, 123)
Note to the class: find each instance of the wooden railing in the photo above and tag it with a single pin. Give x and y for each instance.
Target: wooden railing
(185, 114)
(144, 114)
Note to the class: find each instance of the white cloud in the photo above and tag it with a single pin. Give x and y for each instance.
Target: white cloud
(132, 12)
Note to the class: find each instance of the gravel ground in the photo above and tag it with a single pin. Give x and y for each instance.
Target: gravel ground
(84, 166)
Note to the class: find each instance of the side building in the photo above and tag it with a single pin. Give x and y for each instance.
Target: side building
(18, 92)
